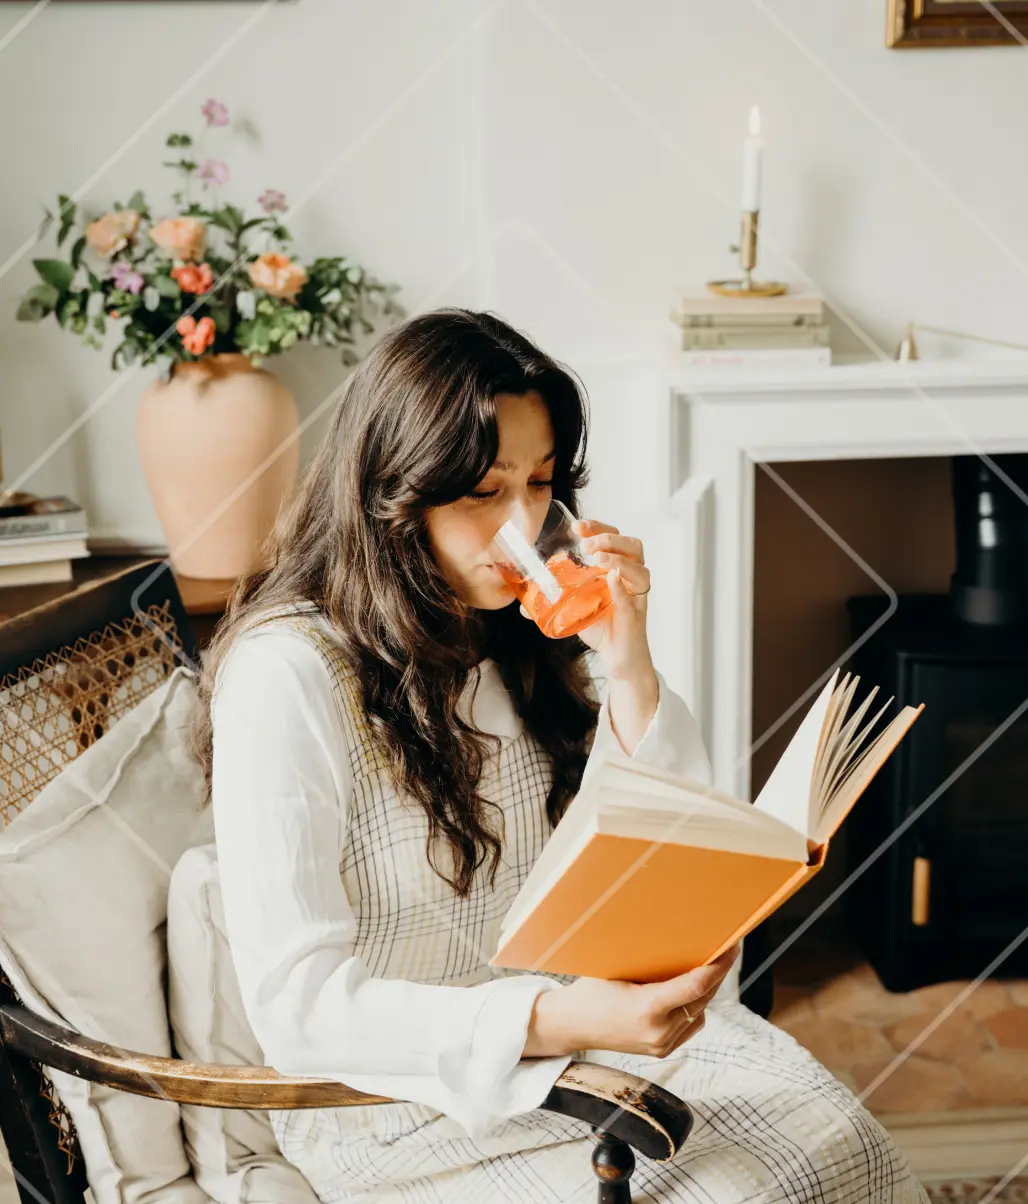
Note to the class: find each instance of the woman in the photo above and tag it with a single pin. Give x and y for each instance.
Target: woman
(390, 742)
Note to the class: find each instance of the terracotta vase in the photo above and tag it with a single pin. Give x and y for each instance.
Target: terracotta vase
(218, 446)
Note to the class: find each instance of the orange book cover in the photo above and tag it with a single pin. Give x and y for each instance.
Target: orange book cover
(637, 930)
(638, 909)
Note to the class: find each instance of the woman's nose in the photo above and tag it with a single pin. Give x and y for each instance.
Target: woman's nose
(519, 512)
(527, 513)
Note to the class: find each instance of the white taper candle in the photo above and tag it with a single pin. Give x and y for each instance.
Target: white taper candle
(752, 149)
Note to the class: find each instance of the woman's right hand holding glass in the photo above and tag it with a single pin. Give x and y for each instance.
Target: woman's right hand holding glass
(650, 1019)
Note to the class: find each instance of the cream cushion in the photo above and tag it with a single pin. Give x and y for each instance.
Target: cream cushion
(84, 874)
(235, 1157)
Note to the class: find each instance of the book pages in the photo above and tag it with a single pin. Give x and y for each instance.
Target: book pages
(863, 770)
(850, 742)
(788, 792)
(842, 698)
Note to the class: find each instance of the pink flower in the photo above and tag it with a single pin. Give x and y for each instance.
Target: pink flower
(272, 201)
(215, 112)
(127, 278)
(196, 336)
(213, 171)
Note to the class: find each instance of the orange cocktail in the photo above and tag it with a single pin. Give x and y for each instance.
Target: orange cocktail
(583, 599)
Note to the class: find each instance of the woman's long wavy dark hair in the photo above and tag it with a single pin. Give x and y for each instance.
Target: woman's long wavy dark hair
(416, 428)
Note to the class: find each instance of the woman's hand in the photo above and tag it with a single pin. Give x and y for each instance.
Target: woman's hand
(651, 1019)
(619, 637)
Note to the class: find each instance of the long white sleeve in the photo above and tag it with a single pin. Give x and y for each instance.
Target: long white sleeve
(672, 739)
(281, 791)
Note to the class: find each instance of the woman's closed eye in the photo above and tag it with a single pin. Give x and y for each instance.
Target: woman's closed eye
(485, 495)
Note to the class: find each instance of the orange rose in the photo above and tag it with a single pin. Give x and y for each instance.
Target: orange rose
(110, 234)
(277, 275)
(192, 278)
(181, 237)
(196, 336)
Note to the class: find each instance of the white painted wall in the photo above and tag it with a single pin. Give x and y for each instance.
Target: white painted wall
(569, 163)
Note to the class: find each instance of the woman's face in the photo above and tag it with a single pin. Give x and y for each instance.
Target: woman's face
(519, 477)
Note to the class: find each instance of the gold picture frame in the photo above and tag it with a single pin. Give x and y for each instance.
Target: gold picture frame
(930, 23)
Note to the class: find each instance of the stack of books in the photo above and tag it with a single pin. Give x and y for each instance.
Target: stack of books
(39, 538)
(753, 332)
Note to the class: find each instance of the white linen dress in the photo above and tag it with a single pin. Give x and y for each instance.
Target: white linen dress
(356, 962)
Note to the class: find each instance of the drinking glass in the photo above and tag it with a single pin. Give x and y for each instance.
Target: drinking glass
(556, 580)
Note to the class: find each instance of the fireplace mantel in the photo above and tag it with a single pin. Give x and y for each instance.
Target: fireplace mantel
(721, 425)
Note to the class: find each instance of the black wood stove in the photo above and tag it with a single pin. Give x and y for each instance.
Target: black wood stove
(943, 830)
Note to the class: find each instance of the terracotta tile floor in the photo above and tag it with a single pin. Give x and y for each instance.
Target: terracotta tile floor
(977, 1057)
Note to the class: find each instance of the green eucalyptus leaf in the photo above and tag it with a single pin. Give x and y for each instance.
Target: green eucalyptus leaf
(30, 311)
(260, 336)
(246, 303)
(76, 251)
(151, 298)
(66, 209)
(44, 294)
(55, 272)
(137, 201)
(126, 354)
(222, 317)
(167, 287)
(228, 218)
(164, 363)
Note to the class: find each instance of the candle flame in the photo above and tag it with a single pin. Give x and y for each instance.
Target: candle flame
(755, 122)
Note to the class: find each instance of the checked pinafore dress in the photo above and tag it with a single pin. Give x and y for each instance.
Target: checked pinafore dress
(771, 1124)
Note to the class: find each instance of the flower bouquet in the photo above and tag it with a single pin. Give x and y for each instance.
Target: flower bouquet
(204, 280)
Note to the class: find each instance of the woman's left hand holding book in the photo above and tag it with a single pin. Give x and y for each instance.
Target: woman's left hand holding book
(650, 1019)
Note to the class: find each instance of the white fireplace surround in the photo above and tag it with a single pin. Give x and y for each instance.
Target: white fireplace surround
(716, 429)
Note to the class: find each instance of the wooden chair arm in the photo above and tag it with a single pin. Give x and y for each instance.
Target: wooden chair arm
(644, 1115)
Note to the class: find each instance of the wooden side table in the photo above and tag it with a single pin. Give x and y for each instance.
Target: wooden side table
(204, 601)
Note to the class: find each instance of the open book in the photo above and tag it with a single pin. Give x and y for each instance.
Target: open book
(648, 874)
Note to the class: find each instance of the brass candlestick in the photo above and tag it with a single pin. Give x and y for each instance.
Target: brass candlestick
(747, 252)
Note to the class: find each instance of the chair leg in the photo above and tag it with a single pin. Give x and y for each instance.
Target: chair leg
(613, 1163)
